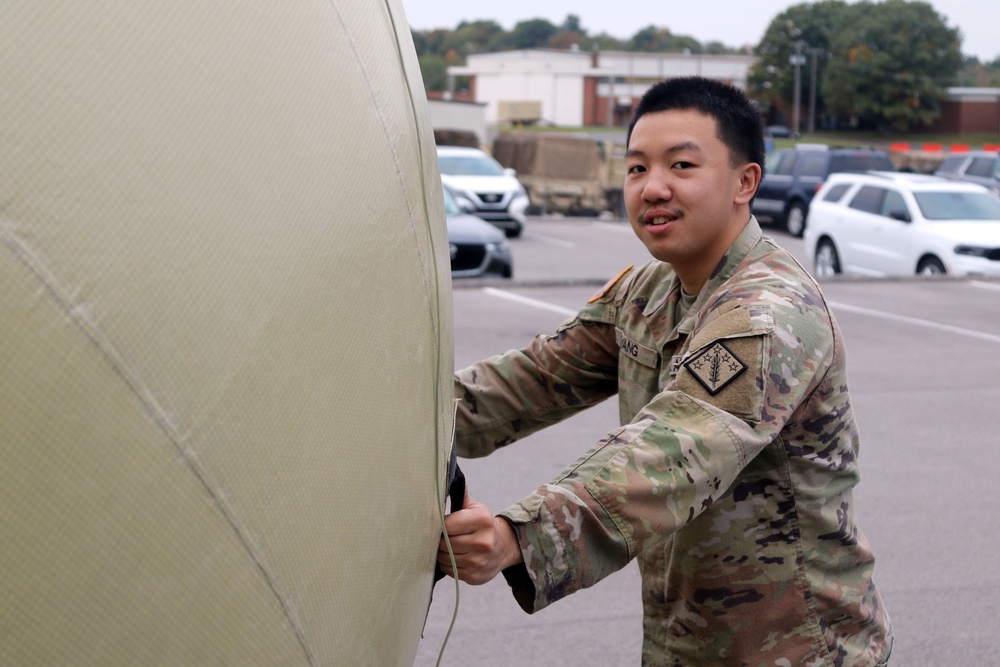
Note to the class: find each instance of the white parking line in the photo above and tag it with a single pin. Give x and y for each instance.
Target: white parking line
(534, 303)
(550, 240)
(928, 324)
(976, 283)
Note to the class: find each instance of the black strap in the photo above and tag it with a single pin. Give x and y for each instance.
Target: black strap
(456, 493)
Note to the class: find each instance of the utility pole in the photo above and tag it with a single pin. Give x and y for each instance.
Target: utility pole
(611, 100)
(797, 61)
(812, 92)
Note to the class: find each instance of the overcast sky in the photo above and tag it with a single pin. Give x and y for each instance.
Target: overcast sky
(732, 22)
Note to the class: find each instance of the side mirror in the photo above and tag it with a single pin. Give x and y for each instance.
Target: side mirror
(899, 214)
(510, 171)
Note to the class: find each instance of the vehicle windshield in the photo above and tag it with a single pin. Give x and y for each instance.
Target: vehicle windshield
(469, 165)
(860, 162)
(450, 205)
(958, 205)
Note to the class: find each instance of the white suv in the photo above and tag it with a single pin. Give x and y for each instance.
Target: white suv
(483, 187)
(894, 223)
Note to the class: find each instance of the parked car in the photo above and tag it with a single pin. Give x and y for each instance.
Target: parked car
(477, 248)
(981, 167)
(792, 176)
(494, 192)
(894, 223)
(779, 132)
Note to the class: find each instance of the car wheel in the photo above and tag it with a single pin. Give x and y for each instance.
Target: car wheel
(827, 259)
(513, 232)
(931, 266)
(795, 220)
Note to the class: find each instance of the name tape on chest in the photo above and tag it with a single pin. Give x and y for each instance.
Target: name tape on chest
(646, 356)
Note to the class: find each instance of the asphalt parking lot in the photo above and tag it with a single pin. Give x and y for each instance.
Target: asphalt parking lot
(924, 363)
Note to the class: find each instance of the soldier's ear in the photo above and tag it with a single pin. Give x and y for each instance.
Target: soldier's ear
(749, 175)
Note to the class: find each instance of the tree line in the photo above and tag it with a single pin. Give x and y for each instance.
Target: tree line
(878, 65)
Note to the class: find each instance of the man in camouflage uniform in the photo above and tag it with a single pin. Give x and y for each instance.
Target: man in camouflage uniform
(731, 477)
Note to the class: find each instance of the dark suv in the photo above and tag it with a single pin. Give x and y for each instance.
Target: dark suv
(792, 176)
(981, 167)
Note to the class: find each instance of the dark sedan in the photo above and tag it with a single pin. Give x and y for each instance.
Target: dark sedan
(779, 132)
(478, 249)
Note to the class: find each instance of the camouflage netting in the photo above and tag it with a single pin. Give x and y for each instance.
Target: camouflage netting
(225, 334)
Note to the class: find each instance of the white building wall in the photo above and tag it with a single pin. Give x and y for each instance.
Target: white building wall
(561, 95)
(451, 115)
(567, 107)
(556, 78)
(668, 65)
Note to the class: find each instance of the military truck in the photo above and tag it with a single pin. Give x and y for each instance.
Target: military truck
(613, 175)
(562, 173)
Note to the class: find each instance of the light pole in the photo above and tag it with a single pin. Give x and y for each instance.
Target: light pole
(812, 91)
(797, 60)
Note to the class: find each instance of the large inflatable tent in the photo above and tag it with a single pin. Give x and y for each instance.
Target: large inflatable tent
(225, 334)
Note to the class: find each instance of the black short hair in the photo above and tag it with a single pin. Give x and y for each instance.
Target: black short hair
(737, 121)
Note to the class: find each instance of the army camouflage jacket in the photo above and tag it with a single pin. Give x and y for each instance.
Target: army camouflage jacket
(731, 477)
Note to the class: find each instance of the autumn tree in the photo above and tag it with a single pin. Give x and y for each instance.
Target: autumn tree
(892, 66)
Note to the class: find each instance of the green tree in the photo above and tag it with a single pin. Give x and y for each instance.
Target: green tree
(572, 24)
(605, 42)
(772, 77)
(532, 34)
(434, 71)
(472, 37)
(568, 39)
(653, 39)
(978, 74)
(420, 44)
(891, 64)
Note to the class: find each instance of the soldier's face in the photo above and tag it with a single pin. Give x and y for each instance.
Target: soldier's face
(682, 193)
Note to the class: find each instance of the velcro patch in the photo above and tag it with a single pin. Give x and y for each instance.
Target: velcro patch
(715, 367)
(608, 285)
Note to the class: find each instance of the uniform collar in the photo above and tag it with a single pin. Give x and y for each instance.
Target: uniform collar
(671, 291)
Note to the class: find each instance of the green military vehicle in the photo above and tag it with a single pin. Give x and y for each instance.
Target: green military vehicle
(564, 173)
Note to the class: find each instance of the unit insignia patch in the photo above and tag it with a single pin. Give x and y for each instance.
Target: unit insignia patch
(715, 367)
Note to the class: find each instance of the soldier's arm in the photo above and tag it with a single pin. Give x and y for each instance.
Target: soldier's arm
(512, 395)
(644, 481)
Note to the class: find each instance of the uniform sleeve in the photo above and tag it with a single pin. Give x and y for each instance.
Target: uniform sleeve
(747, 371)
(512, 395)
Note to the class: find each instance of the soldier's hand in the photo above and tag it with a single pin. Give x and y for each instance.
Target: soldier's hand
(482, 543)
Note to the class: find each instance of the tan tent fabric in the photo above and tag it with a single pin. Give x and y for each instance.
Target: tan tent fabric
(225, 334)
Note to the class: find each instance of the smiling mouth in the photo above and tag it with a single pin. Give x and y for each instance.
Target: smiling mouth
(659, 219)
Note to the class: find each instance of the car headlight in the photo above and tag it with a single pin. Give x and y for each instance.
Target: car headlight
(498, 247)
(464, 201)
(978, 251)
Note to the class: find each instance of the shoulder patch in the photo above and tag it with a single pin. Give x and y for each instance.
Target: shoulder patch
(715, 367)
(608, 285)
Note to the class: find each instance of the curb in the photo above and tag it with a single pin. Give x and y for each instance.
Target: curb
(512, 283)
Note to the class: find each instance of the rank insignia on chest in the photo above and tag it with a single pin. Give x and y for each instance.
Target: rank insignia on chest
(715, 367)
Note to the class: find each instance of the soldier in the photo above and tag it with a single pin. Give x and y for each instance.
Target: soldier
(731, 477)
